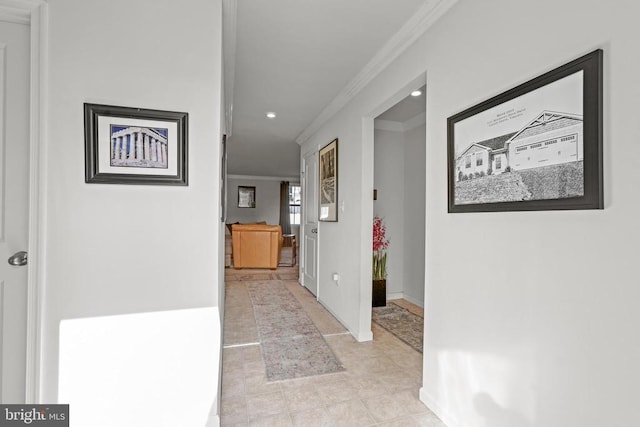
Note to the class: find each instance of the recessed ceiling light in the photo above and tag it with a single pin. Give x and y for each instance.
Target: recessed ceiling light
(416, 93)
(271, 115)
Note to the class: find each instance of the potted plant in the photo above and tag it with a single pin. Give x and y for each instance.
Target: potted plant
(380, 245)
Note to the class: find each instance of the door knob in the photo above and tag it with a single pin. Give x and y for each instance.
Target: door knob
(314, 230)
(18, 259)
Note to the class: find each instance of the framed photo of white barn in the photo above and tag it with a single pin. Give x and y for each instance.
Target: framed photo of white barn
(537, 146)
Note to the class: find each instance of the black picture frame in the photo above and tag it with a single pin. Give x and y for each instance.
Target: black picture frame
(328, 179)
(496, 149)
(246, 197)
(138, 146)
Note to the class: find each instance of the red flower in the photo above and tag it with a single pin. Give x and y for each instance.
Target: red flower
(380, 244)
(380, 241)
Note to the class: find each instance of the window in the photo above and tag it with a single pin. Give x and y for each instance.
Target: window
(478, 160)
(294, 204)
(498, 162)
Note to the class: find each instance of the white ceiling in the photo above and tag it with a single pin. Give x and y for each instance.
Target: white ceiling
(407, 109)
(294, 57)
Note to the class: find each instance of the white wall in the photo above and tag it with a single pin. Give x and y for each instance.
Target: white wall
(267, 201)
(538, 329)
(414, 213)
(343, 243)
(389, 171)
(116, 249)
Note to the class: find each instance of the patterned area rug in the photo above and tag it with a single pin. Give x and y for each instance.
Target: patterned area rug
(402, 323)
(292, 346)
(250, 275)
(238, 277)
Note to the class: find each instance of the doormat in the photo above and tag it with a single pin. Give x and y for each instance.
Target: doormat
(292, 346)
(402, 323)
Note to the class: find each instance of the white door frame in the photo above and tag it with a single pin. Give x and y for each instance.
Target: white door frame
(366, 212)
(303, 226)
(35, 13)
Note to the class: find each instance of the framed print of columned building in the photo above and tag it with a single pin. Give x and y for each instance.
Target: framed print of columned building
(135, 146)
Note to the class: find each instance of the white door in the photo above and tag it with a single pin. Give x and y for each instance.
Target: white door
(14, 207)
(310, 212)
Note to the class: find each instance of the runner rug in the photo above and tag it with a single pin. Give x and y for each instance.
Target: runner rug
(292, 346)
(402, 323)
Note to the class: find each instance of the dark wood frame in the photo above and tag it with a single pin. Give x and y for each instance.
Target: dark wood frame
(251, 190)
(92, 113)
(333, 217)
(591, 65)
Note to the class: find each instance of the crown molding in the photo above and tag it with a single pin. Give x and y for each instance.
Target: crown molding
(388, 125)
(414, 122)
(14, 16)
(229, 34)
(291, 179)
(18, 11)
(393, 126)
(415, 27)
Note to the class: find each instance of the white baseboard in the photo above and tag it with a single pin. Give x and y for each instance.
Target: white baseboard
(361, 336)
(415, 301)
(402, 295)
(364, 336)
(213, 421)
(446, 418)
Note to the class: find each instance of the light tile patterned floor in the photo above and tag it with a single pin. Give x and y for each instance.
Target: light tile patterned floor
(379, 387)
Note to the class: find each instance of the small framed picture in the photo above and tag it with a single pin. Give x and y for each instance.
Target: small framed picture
(329, 182)
(246, 197)
(537, 146)
(135, 146)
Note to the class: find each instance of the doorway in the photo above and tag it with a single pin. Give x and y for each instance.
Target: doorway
(14, 207)
(399, 181)
(23, 42)
(309, 247)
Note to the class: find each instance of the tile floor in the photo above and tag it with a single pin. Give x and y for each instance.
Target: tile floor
(379, 386)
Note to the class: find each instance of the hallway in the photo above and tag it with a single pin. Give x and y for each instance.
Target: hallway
(379, 386)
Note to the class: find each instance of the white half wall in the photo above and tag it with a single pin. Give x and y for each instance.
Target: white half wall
(123, 249)
(145, 364)
(530, 317)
